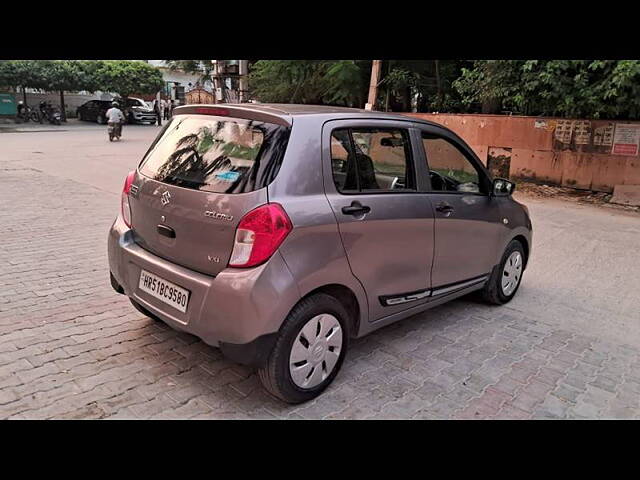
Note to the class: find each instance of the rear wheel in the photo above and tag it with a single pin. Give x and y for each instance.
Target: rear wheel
(506, 276)
(309, 350)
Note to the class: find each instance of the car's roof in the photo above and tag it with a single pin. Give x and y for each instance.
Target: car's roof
(288, 110)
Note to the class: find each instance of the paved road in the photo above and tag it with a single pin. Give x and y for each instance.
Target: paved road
(568, 346)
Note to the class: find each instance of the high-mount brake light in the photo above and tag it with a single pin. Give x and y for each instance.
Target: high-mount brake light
(212, 111)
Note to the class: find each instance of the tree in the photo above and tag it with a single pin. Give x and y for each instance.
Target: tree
(567, 88)
(70, 75)
(126, 77)
(50, 75)
(22, 74)
(339, 82)
(427, 84)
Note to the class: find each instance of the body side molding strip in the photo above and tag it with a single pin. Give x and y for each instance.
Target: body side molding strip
(459, 286)
(389, 300)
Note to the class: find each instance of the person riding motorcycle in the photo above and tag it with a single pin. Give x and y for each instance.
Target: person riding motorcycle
(115, 118)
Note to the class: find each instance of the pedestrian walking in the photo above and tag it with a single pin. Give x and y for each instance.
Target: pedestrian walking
(165, 107)
(169, 108)
(156, 109)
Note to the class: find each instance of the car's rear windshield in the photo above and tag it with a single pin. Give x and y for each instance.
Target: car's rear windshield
(216, 154)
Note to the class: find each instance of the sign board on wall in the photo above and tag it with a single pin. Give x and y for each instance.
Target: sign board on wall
(603, 136)
(626, 139)
(582, 132)
(564, 131)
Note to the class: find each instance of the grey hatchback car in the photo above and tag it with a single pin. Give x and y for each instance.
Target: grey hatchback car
(280, 232)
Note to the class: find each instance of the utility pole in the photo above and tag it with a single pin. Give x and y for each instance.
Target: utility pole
(218, 80)
(243, 71)
(373, 85)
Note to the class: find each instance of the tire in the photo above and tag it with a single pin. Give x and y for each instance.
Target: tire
(320, 311)
(493, 292)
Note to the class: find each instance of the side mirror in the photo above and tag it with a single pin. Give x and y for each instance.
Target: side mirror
(502, 187)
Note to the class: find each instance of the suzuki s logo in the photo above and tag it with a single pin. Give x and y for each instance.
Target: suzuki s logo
(165, 198)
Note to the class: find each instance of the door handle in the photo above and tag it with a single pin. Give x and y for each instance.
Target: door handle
(356, 209)
(166, 231)
(444, 207)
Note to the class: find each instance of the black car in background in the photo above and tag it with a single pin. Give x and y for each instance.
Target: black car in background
(135, 111)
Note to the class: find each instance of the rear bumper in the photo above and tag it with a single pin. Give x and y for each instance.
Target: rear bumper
(238, 310)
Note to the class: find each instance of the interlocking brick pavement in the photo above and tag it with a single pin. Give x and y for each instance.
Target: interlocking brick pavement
(72, 348)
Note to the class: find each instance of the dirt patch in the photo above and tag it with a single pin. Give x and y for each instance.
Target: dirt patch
(601, 199)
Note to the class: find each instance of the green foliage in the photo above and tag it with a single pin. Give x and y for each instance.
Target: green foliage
(61, 75)
(317, 82)
(566, 88)
(22, 73)
(127, 77)
(426, 82)
(121, 76)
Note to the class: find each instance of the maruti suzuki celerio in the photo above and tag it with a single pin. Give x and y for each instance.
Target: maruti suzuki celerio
(279, 232)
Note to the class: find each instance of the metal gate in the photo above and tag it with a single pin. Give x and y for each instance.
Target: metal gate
(199, 95)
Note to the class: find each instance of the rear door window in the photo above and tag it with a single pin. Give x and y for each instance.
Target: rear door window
(372, 159)
(217, 154)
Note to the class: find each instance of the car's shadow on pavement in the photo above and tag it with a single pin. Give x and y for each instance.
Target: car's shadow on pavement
(388, 362)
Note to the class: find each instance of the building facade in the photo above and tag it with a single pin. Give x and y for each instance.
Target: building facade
(178, 83)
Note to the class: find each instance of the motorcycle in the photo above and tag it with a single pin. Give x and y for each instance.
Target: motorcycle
(27, 114)
(50, 113)
(114, 130)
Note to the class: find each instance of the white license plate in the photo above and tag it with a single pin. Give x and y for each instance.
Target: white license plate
(168, 292)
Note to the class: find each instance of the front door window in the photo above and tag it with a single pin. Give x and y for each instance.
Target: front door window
(449, 169)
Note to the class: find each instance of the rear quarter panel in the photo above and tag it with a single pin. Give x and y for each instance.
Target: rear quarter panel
(313, 251)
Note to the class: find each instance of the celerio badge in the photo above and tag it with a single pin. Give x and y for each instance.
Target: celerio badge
(218, 216)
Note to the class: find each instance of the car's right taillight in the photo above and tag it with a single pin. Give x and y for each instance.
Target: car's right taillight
(259, 234)
(124, 203)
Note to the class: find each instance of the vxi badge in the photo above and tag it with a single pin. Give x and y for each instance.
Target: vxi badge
(218, 216)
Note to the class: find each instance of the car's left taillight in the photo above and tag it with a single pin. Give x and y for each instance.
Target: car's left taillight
(124, 203)
(259, 234)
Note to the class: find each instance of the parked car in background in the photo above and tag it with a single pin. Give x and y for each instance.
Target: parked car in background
(136, 110)
(93, 111)
(280, 232)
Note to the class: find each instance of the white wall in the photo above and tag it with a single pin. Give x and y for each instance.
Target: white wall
(71, 100)
(169, 75)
